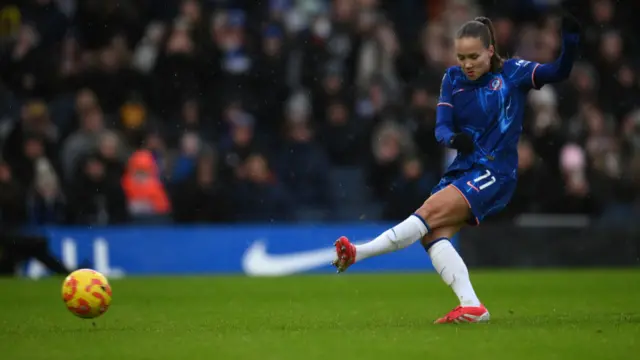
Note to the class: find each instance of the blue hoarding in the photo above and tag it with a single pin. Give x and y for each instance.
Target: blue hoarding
(252, 250)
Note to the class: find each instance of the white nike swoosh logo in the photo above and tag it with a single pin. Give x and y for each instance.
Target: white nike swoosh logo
(257, 262)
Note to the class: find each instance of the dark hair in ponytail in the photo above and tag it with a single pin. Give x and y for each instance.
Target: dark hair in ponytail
(482, 28)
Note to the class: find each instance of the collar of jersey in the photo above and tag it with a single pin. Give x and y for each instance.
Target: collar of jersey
(481, 81)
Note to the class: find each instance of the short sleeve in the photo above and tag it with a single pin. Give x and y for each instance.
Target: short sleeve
(522, 73)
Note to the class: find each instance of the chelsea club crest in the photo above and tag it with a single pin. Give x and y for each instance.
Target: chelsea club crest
(495, 84)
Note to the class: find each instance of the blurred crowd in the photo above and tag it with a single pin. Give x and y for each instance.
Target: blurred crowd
(158, 111)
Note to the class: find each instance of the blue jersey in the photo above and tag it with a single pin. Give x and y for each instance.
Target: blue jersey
(491, 108)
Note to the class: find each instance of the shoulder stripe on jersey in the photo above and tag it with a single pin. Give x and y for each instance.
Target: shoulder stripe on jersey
(533, 74)
(445, 104)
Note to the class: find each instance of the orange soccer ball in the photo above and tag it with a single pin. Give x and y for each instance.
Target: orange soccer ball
(86, 293)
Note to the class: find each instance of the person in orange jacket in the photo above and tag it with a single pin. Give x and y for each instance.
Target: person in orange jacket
(146, 195)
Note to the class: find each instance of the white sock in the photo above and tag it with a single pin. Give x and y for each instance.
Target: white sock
(398, 237)
(453, 271)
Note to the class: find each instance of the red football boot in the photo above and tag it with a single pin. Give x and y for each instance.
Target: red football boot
(465, 314)
(345, 254)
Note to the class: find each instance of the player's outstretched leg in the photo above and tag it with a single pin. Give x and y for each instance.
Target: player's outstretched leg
(398, 237)
(454, 273)
(445, 208)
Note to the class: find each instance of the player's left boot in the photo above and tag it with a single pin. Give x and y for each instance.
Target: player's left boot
(345, 254)
(465, 314)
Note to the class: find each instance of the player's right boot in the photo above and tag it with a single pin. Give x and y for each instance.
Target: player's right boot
(465, 314)
(345, 254)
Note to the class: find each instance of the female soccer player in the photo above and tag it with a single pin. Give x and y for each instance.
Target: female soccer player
(479, 114)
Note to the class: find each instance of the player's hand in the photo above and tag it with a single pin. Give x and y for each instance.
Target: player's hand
(462, 142)
(570, 24)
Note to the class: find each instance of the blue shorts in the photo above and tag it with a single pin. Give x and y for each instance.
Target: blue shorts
(486, 193)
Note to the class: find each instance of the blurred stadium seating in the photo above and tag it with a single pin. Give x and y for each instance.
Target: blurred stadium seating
(219, 111)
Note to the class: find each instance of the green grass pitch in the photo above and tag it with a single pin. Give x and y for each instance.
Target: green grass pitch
(535, 315)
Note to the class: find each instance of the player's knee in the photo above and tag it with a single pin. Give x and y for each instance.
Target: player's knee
(440, 234)
(427, 211)
(432, 237)
(426, 240)
(434, 212)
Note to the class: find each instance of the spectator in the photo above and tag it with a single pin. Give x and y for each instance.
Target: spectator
(23, 69)
(390, 144)
(112, 155)
(235, 148)
(147, 199)
(194, 89)
(32, 137)
(578, 187)
(303, 167)
(97, 197)
(259, 196)
(537, 189)
(46, 204)
(420, 119)
(83, 141)
(176, 69)
(342, 135)
(201, 197)
(409, 189)
(191, 118)
(271, 77)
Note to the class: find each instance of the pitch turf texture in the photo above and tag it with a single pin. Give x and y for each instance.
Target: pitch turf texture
(536, 315)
